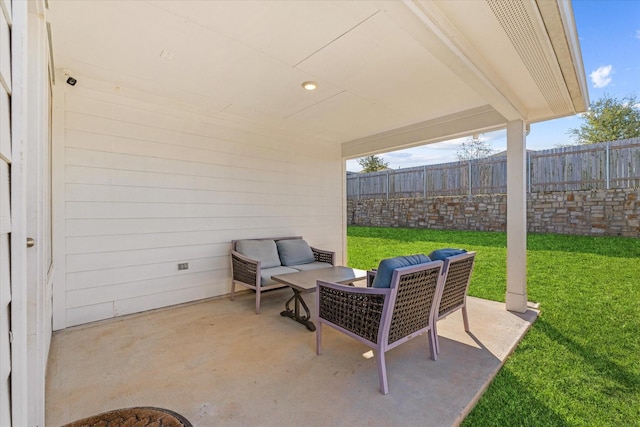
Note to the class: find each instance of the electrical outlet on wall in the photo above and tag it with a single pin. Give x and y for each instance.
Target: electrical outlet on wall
(183, 266)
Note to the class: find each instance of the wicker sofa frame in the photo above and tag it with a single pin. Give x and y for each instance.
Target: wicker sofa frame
(383, 318)
(247, 272)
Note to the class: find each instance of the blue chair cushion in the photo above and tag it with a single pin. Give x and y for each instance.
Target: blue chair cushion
(442, 254)
(386, 267)
(294, 252)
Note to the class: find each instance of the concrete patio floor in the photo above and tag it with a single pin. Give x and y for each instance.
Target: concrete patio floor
(219, 364)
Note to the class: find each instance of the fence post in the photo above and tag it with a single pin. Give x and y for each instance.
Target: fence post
(424, 187)
(469, 178)
(387, 184)
(529, 173)
(607, 160)
(358, 193)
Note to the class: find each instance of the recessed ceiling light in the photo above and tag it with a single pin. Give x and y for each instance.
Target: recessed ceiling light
(310, 85)
(166, 54)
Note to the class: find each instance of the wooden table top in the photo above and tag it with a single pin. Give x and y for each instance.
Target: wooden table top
(305, 281)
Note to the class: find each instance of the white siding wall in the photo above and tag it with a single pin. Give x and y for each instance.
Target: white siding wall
(148, 185)
(5, 215)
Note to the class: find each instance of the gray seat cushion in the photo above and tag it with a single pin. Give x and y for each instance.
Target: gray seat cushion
(311, 266)
(266, 273)
(264, 251)
(294, 252)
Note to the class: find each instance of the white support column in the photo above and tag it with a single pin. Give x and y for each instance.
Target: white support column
(516, 299)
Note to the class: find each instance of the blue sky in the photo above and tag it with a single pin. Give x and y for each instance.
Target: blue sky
(609, 33)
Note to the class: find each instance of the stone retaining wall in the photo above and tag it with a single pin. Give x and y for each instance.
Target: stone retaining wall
(592, 212)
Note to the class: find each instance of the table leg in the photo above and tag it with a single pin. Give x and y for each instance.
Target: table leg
(295, 312)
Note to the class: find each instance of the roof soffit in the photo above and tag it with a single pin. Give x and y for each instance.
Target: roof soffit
(382, 65)
(447, 43)
(560, 25)
(507, 47)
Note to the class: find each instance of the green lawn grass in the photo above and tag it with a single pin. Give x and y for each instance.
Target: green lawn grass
(579, 365)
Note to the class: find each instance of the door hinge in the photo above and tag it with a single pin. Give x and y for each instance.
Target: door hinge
(10, 337)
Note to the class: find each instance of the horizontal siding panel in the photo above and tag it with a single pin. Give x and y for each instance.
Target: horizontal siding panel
(151, 302)
(110, 160)
(83, 174)
(5, 52)
(251, 185)
(98, 244)
(101, 259)
(112, 227)
(5, 269)
(153, 122)
(250, 179)
(168, 122)
(175, 210)
(98, 116)
(115, 276)
(104, 260)
(5, 198)
(90, 313)
(113, 193)
(120, 291)
(5, 126)
(135, 147)
(5, 350)
(99, 128)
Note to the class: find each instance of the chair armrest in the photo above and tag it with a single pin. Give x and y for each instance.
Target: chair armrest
(323, 256)
(356, 310)
(244, 269)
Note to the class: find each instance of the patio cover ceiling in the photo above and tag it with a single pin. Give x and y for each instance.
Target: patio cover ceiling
(391, 74)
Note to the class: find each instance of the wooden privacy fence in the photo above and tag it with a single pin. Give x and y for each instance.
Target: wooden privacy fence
(585, 167)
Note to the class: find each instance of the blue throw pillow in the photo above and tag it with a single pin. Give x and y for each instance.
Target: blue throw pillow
(442, 254)
(386, 267)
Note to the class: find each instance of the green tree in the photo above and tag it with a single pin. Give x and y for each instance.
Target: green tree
(609, 119)
(372, 164)
(474, 148)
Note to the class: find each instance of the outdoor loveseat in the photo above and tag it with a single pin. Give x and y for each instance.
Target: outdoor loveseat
(254, 261)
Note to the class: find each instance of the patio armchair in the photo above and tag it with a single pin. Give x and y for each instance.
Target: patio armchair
(456, 274)
(383, 317)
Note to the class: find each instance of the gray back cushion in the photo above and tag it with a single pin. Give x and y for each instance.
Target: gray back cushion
(295, 252)
(264, 251)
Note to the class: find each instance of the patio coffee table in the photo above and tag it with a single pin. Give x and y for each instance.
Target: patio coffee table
(305, 281)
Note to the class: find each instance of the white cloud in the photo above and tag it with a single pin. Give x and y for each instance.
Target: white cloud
(638, 34)
(601, 77)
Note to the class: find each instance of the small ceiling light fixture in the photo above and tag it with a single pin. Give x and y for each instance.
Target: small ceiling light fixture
(166, 54)
(310, 85)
